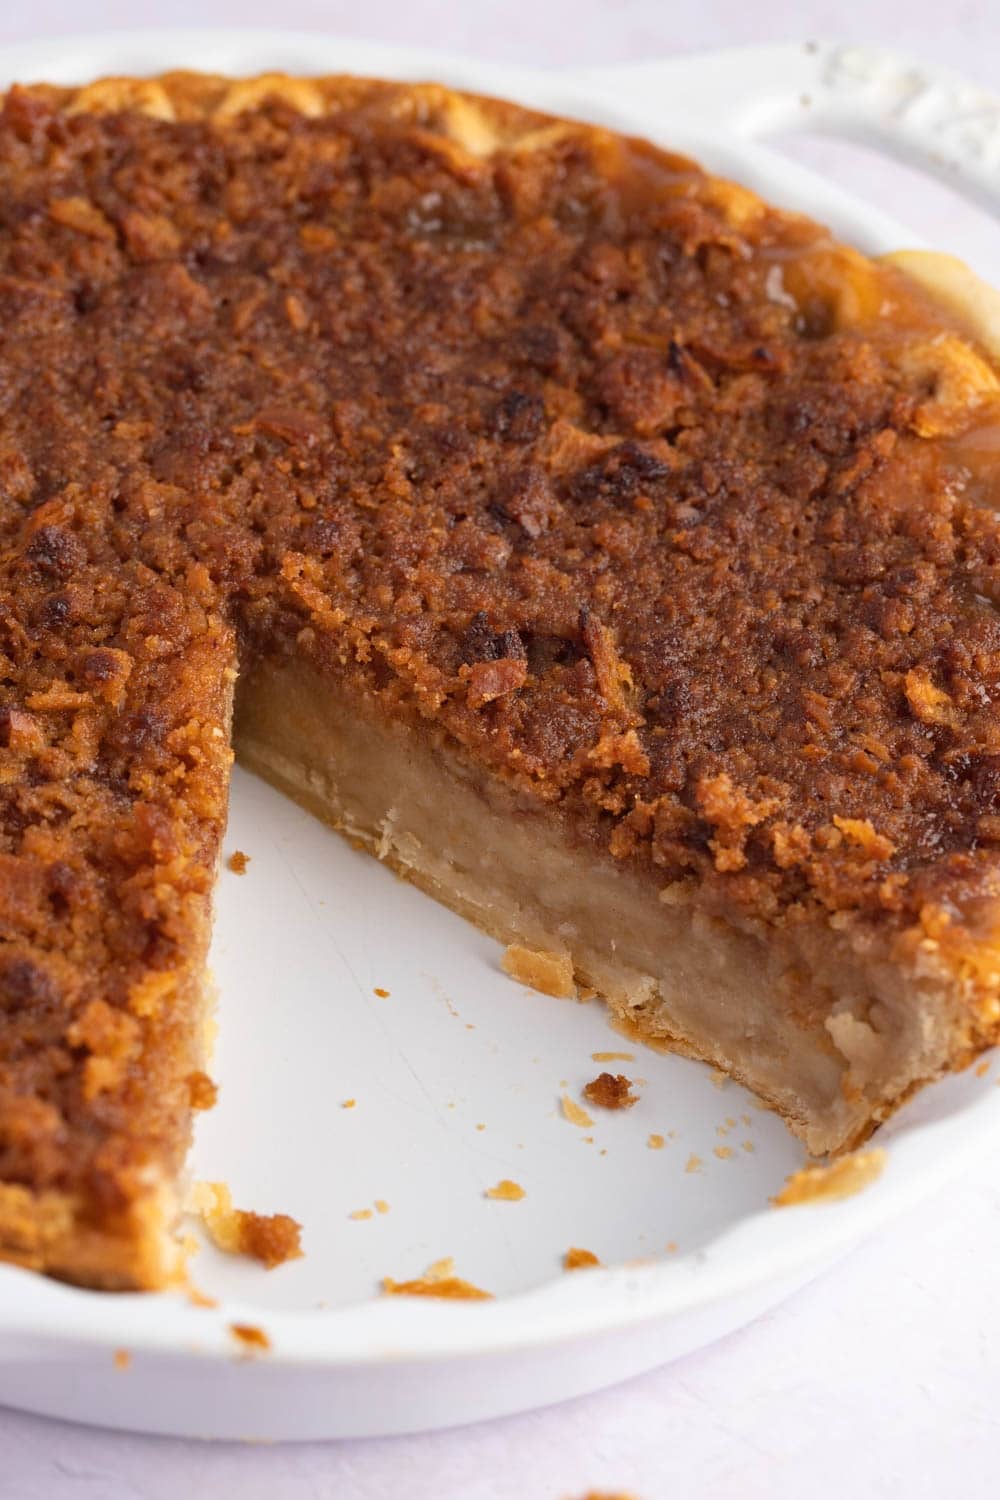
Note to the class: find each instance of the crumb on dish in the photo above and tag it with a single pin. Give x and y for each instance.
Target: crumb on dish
(271, 1239)
(439, 1280)
(693, 1163)
(655, 1142)
(612, 1057)
(198, 1298)
(506, 1191)
(838, 1179)
(122, 1359)
(611, 1091)
(549, 972)
(577, 1259)
(238, 862)
(574, 1113)
(252, 1339)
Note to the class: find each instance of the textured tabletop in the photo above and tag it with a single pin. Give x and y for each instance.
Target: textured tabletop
(881, 1379)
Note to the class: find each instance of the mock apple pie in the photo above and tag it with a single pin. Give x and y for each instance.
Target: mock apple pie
(612, 554)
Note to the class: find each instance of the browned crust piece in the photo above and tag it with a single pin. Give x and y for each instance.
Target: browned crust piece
(654, 413)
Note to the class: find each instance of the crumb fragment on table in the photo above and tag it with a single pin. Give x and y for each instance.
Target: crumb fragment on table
(506, 1191)
(122, 1359)
(439, 1280)
(270, 1239)
(611, 1091)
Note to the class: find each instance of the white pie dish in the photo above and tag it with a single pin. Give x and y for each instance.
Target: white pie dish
(302, 943)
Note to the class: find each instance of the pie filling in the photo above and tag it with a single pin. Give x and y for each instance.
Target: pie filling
(820, 1023)
(613, 554)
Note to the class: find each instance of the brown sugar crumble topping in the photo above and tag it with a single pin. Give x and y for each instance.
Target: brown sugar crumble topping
(644, 497)
(611, 1091)
(238, 861)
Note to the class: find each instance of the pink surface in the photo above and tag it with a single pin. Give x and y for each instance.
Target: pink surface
(883, 1378)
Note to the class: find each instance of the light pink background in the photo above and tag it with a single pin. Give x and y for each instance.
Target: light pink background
(883, 1378)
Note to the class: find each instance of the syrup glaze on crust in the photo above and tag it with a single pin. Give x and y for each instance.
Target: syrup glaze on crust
(641, 495)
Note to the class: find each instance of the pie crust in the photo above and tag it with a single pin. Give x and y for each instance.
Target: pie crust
(613, 555)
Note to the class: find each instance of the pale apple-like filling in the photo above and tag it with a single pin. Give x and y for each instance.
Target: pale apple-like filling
(817, 1021)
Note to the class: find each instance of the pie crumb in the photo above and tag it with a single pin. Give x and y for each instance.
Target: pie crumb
(382, 994)
(360, 1213)
(122, 1359)
(693, 1164)
(271, 1239)
(983, 1068)
(576, 1259)
(549, 972)
(198, 1298)
(611, 1091)
(238, 862)
(253, 1339)
(655, 1142)
(203, 1092)
(439, 1280)
(612, 1057)
(722, 1152)
(507, 1191)
(349, 1103)
(840, 1179)
(381, 1207)
(573, 1112)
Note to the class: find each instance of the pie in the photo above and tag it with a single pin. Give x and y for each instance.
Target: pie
(612, 554)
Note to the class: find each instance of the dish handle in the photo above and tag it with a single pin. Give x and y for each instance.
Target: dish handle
(920, 114)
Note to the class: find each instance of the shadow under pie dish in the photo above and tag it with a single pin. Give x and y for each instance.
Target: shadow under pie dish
(611, 553)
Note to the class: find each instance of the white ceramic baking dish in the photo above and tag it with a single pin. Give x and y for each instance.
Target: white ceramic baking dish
(457, 1073)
